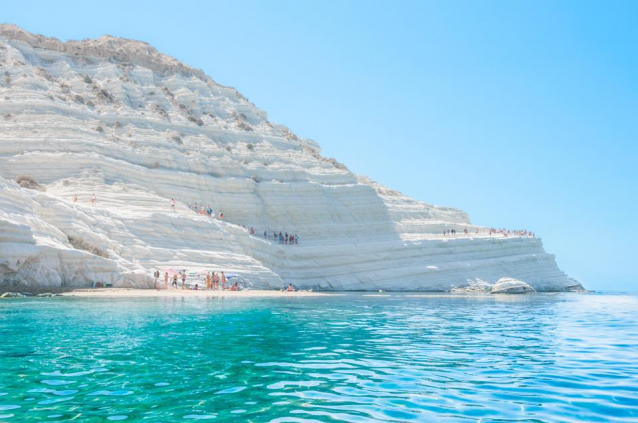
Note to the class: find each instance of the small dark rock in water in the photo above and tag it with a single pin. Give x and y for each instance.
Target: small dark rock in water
(11, 295)
(17, 354)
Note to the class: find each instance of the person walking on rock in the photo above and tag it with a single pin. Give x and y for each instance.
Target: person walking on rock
(223, 281)
(172, 204)
(166, 280)
(184, 279)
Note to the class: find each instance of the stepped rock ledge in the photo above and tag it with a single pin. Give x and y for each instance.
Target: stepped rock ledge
(117, 118)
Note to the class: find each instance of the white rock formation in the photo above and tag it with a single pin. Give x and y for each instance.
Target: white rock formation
(512, 286)
(116, 118)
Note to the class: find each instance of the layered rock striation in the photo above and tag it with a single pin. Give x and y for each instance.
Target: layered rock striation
(117, 119)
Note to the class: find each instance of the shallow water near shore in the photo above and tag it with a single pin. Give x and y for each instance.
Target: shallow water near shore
(353, 358)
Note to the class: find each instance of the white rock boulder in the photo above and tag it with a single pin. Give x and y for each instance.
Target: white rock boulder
(512, 286)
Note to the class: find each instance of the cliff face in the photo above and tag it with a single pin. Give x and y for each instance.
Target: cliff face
(135, 127)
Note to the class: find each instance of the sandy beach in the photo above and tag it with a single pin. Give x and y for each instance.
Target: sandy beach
(140, 293)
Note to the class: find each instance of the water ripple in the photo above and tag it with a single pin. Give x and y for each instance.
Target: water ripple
(353, 358)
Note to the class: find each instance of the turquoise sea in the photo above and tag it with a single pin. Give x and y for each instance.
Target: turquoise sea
(348, 358)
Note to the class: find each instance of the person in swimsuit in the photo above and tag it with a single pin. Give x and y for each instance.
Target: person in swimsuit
(223, 281)
(166, 280)
(175, 281)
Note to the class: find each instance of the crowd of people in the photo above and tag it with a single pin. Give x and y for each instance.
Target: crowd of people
(508, 232)
(212, 281)
(283, 238)
(492, 232)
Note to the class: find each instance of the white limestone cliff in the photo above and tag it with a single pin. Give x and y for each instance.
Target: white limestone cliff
(117, 118)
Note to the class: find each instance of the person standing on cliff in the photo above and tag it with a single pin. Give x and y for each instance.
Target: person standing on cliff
(172, 204)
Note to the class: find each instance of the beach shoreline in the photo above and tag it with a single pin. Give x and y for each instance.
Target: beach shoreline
(171, 293)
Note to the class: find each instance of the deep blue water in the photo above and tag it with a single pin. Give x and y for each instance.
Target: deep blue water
(352, 358)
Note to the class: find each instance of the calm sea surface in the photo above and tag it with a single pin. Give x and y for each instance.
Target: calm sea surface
(352, 358)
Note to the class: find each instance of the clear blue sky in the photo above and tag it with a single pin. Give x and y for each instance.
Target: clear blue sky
(523, 114)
